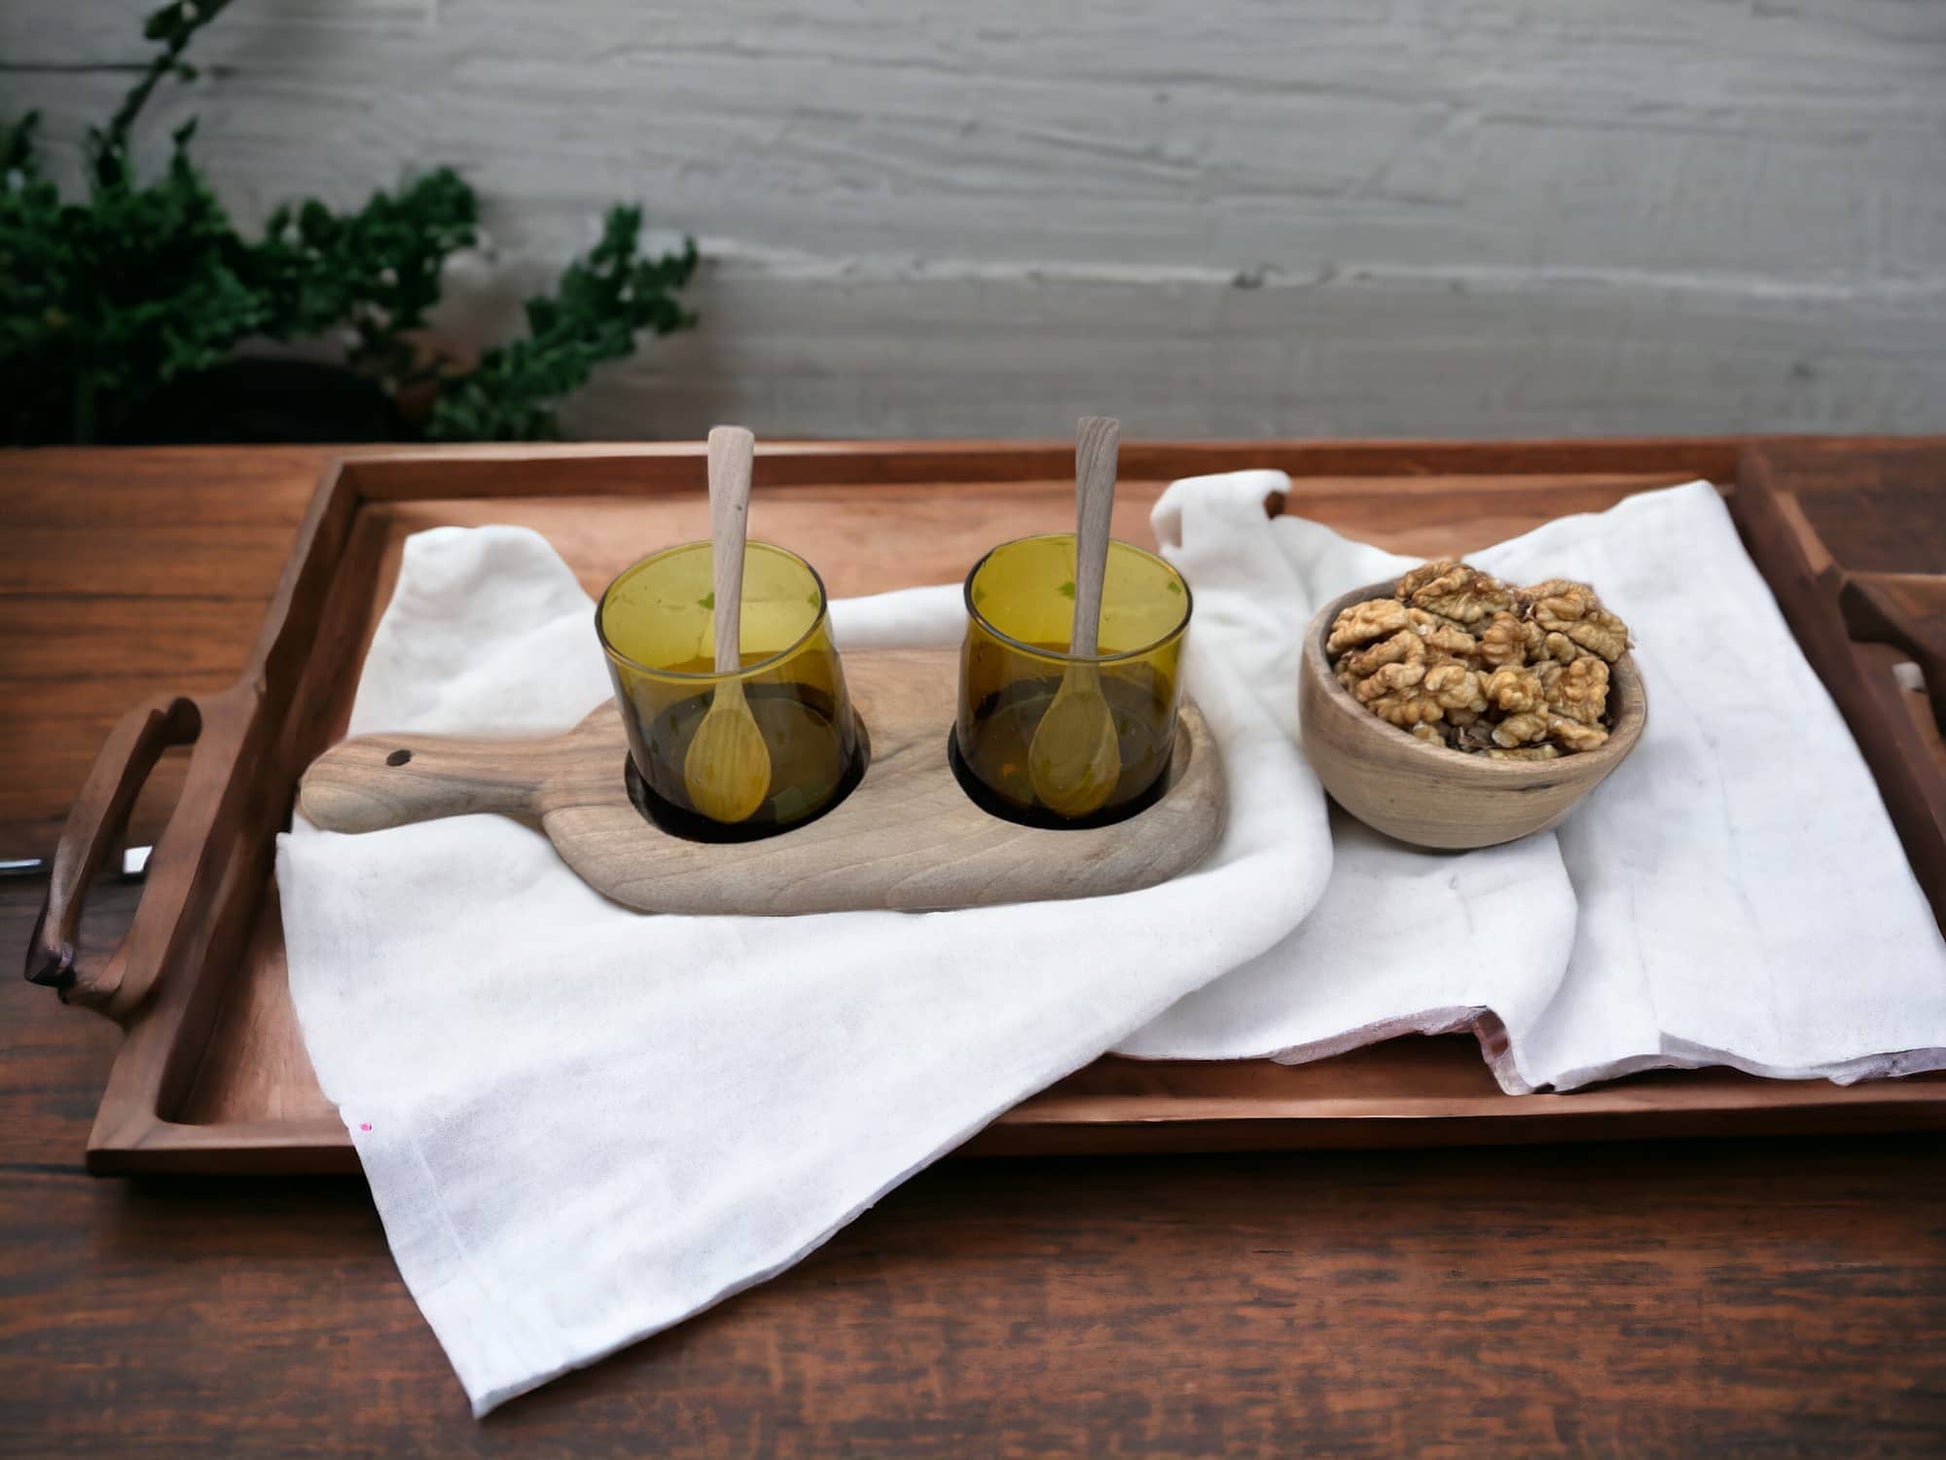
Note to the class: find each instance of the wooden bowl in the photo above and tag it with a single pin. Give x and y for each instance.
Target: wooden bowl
(1432, 795)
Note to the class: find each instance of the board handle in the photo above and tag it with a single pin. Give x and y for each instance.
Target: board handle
(95, 824)
(381, 781)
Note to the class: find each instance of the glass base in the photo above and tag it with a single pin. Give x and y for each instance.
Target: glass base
(680, 821)
(982, 796)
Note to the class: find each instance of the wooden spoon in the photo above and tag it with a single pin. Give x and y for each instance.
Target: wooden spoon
(726, 770)
(1073, 761)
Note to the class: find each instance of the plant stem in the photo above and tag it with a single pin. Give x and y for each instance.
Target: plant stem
(188, 19)
(138, 97)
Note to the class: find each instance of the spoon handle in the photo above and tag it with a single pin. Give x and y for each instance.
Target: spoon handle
(730, 451)
(1095, 445)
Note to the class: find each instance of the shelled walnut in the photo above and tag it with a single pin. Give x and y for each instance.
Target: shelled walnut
(1458, 657)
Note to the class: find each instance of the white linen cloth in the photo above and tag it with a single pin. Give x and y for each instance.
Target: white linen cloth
(582, 1124)
(1733, 894)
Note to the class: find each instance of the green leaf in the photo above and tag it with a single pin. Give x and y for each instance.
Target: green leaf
(1066, 590)
(708, 601)
(601, 303)
(17, 150)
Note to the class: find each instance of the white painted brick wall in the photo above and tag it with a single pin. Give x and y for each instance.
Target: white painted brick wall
(1210, 217)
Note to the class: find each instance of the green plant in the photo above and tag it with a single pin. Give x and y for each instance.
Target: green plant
(593, 315)
(105, 300)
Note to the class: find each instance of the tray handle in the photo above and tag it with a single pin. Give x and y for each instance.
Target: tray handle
(1873, 617)
(95, 823)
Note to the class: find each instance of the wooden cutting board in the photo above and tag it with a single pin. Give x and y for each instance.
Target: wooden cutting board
(906, 838)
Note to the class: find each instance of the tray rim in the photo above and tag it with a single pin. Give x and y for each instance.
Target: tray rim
(1808, 583)
(213, 861)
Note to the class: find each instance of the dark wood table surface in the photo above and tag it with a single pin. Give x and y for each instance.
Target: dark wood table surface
(1779, 1297)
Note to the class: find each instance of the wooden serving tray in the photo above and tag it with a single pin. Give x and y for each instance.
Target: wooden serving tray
(212, 1075)
(906, 838)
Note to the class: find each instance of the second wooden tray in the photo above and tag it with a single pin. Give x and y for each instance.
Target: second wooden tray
(906, 838)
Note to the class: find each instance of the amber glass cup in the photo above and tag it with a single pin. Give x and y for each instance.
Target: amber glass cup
(1019, 619)
(656, 623)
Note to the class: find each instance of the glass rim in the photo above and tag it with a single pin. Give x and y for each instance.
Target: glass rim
(1058, 656)
(818, 619)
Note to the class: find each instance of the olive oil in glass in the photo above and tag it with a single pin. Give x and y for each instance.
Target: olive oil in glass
(1020, 607)
(656, 626)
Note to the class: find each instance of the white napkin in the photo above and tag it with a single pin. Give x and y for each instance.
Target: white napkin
(582, 1124)
(1733, 894)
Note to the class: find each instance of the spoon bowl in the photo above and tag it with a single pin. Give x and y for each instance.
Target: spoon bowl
(726, 770)
(1074, 760)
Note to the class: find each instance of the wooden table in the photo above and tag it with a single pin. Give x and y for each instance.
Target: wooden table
(1700, 1297)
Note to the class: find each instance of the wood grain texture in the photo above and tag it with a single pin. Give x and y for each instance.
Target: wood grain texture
(1687, 1298)
(100, 822)
(731, 449)
(154, 1115)
(1906, 612)
(1096, 449)
(1432, 795)
(1210, 217)
(1692, 1298)
(102, 529)
(1823, 527)
(907, 838)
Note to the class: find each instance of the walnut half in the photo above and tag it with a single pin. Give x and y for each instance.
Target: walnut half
(1458, 657)
(1455, 591)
